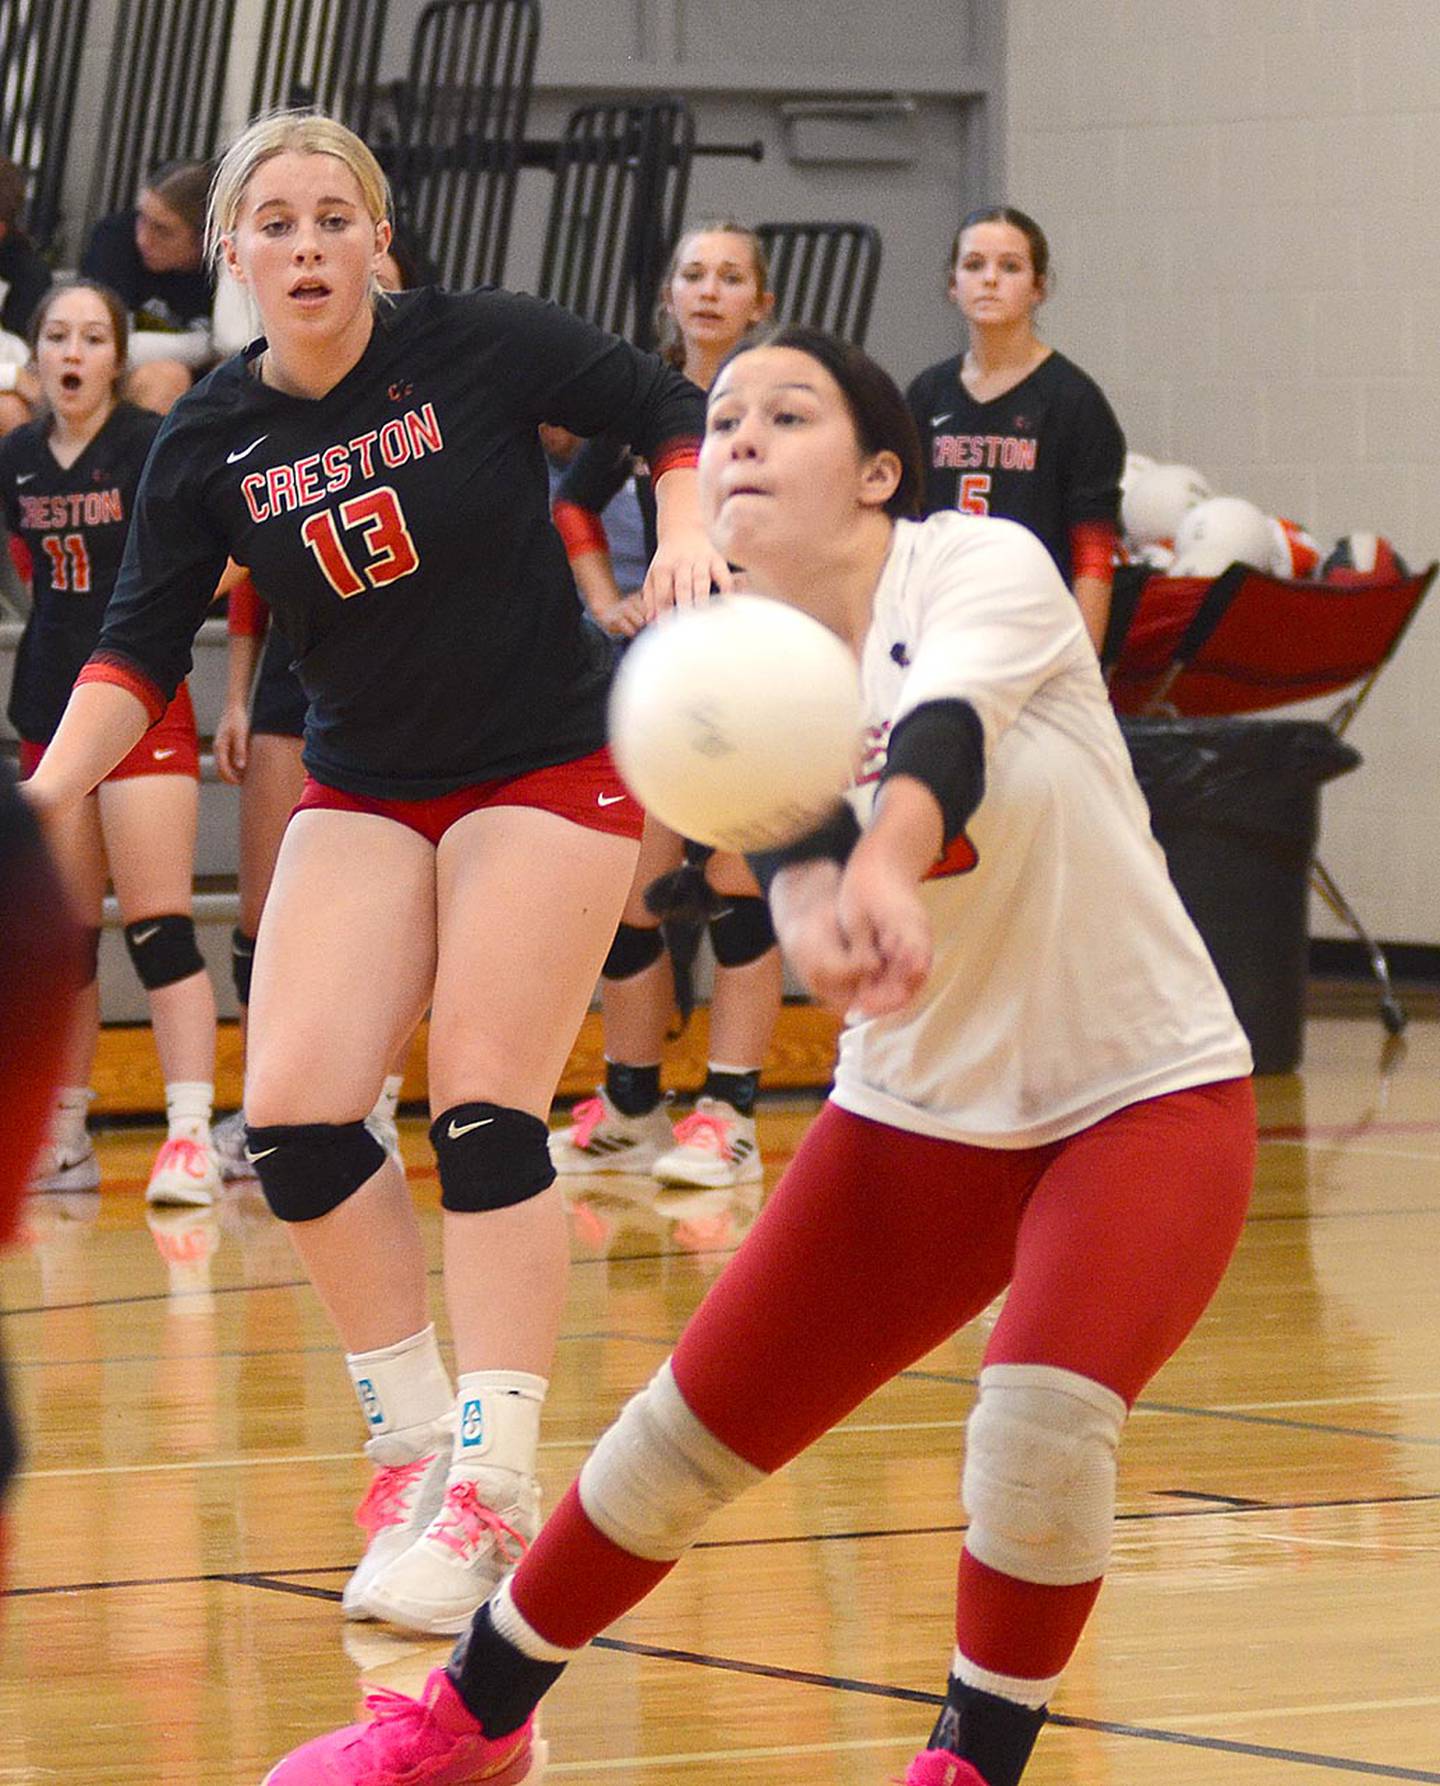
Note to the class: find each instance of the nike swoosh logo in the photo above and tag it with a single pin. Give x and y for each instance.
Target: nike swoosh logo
(264, 1154)
(608, 799)
(23, 477)
(457, 1129)
(143, 936)
(245, 452)
(939, 421)
(161, 755)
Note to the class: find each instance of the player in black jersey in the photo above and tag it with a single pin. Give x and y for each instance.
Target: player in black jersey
(68, 483)
(1013, 428)
(463, 838)
(258, 749)
(716, 287)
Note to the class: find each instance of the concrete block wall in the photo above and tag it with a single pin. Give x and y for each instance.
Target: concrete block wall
(1248, 259)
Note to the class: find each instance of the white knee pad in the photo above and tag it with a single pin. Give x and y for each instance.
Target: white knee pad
(1039, 1481)
(657, 1475)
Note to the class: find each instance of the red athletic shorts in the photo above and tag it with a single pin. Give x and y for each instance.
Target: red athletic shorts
(587, 791)
(170, 747)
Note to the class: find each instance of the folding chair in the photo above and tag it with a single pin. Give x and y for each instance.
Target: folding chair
(323, 53)
(1257, 642)
(622, 175)
(40, 50)
(824, 274)
(163, 98)
(461, 114)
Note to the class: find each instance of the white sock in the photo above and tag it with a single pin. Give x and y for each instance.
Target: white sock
(511, 1624)
(389, 1099)
(403, 1385)
(67, 1118)
(498, 1421)
(188, 1103)
(1034, 1694)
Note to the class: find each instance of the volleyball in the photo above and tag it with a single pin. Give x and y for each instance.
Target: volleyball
(737, 723)
(1364, 558)
(1157, 500)
(1219, 532)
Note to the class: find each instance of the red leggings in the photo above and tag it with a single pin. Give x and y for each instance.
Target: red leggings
(876, 1246)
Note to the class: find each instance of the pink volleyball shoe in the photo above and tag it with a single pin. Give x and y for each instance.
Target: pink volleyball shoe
(938, 1767)
(431, 1741)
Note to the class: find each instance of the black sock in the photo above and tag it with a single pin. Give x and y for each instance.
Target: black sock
(634, 1091)
(737, 1089)
(994, 1735)
(500, 1685)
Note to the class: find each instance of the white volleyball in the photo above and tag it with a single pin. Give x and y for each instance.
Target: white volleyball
(1158, 499)
(1223, 531)
(737, 723)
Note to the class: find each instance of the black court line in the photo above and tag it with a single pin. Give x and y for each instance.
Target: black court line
(243, 1354)
(912, 1696)
(1224, 1414)
(905, 1695)
(103, 1302)
(279, 1580)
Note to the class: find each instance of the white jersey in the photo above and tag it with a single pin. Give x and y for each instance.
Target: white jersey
(1068, 980)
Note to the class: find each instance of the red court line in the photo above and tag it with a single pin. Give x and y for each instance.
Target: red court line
(1343, 1131)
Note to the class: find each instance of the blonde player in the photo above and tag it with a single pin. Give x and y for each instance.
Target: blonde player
(462, 841)
(715, 289)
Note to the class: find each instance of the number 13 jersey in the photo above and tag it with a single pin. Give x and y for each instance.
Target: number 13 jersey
(399, 527)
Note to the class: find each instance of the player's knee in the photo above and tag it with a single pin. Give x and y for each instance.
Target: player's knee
(164, 949)
(635, 948)
(89, 964)
(242, 962)
(741, 931)
(657, 1475)
(1040, 1473)
(308, 1169)
(490, 1157)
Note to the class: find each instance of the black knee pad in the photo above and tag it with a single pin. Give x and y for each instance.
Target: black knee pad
(163, 949)
(490, 1157)
(306, 1169)
(242, 962)
(89, 956)
(635, 948)
(741, 931)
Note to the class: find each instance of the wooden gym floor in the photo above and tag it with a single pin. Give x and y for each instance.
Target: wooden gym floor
(182, 1528)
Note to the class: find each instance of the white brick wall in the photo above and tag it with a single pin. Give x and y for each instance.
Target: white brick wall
(1248, 255)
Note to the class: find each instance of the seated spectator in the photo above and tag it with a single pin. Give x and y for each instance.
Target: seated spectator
(154, 256)
(24, 280)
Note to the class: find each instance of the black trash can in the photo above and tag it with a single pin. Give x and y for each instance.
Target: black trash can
(1235, 805)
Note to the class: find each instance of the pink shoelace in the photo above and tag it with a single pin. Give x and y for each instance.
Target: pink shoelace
(701, 1129)
(423, 1739)
(189, 1155)
(385, 1502)
(464, 1523)
(588, 1117)
(405, 1731)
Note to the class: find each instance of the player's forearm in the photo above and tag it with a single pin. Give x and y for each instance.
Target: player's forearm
(595, 579)
(677, 504)
(1092, 595)
(240, 667)
(101, 725)
(906, 830)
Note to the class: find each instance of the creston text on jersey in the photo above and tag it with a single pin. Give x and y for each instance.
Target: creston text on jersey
(284, 488)
(72, 508)
(983, 452)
